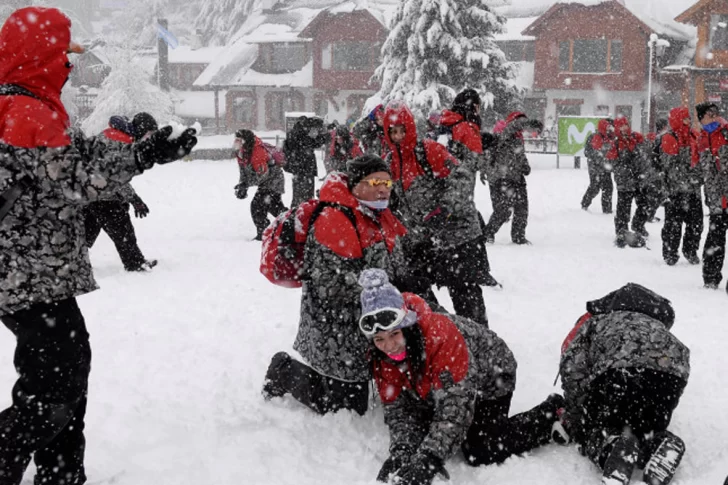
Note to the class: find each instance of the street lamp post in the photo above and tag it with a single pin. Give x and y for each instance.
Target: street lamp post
(654, 43)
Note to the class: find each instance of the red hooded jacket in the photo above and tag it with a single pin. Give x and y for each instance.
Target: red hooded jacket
(713, 142)
(333, 228)
(463, 131)
(404, 163)
(259, 159)
(445, 350)
(43, 70)
(628, 141)
(602, 135)
(681, 135)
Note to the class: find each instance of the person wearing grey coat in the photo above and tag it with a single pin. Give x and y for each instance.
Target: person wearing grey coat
(445, 382)
(623, 372)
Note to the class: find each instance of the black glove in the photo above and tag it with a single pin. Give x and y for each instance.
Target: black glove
(160, 150)
(420, 470)
(141, 210)
(390, 466)
(241, 191)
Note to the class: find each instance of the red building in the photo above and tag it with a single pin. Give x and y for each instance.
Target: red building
(594, 59)
(705, 76)
(298, 59)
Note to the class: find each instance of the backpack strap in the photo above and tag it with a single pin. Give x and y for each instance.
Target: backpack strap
(347, 211)
(15, 90)
(421, 157)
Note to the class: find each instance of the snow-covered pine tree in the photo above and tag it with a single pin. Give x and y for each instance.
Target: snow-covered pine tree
(126, 92)
(436, 48)
(218, 20)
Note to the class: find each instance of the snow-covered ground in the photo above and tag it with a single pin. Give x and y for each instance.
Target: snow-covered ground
(180, 353)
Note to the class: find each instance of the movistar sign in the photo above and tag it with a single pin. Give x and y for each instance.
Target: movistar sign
(573, 132)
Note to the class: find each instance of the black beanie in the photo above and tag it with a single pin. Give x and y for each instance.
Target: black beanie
(703, 108)
(142, 124)
(464, 105)
(467, 97)
(363, 166)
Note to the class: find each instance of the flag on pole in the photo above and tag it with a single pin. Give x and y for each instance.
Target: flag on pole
(167, 37)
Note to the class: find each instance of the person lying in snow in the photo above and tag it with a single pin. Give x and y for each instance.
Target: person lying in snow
(623, 373)
(445, 381)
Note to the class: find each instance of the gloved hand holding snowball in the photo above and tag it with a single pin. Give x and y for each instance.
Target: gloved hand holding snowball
(167, 144)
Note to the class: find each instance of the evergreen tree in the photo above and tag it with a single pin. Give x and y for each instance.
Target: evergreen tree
(127, 91)
(220, 19)
(436, 48)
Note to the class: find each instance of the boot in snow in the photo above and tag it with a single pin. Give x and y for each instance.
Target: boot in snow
(273, 386)
(663, 462)
(621, 461)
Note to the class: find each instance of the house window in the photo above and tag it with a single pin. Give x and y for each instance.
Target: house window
(244, 109)
(568, 110)
(719, 32)
(276, 106)
(624, 111)
(352, 56)
(615, 56)
(590, 55)
(287, 57)
(326, 57)
(601, 110)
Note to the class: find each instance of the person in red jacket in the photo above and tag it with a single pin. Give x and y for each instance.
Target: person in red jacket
(630, 168)
(354, 231)
(112, 215)
(444, 243)
(464, 122)
(260, 164)
(600, 172)
(445, 383)
(683, 178)
(712, 149)
(48, 174)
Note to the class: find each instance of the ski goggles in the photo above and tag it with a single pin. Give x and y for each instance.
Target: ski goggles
(381, 320)
(378, 182)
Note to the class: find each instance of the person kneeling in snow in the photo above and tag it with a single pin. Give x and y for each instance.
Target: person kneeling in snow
(354, 231)
(623, 373)
(445, 381)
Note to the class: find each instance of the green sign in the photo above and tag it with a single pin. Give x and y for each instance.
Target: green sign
(573, 132)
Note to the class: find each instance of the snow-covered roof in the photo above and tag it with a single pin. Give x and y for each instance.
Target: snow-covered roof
(269, 32)
(198, 104)
(298, 79)
(514, 27)
(656, 15)
(289, 22)
(187, 55)
(235, 59)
